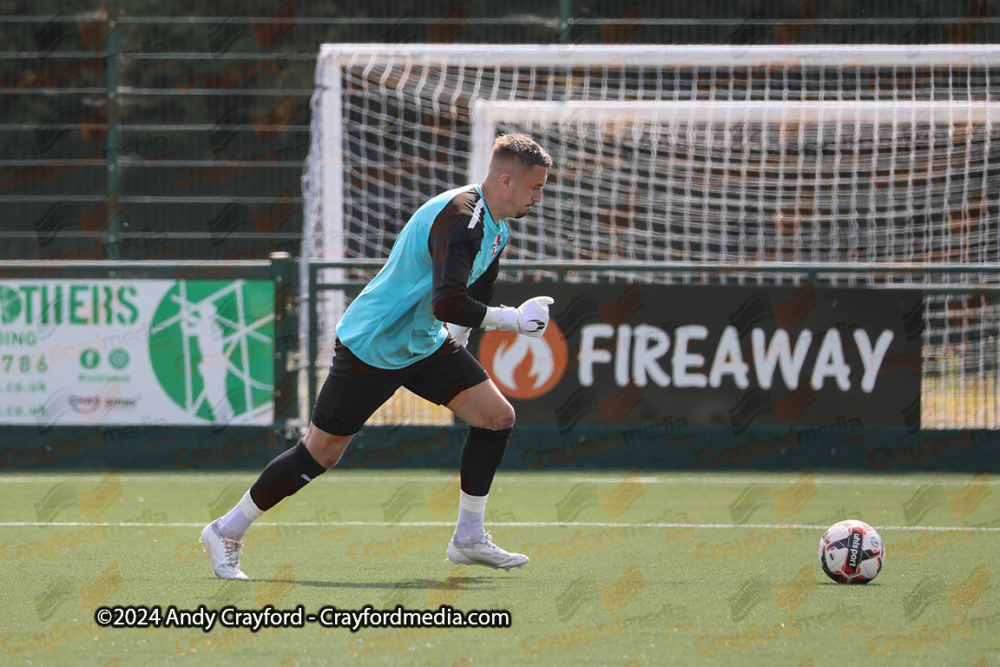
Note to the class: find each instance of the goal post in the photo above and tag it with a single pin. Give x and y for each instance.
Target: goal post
(854, 155)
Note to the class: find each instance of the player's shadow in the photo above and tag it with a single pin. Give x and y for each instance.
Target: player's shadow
(456, 583)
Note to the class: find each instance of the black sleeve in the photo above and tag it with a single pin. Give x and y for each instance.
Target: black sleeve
(482, 289)
(453, 247)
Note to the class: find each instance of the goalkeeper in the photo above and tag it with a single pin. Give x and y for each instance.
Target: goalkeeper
(409, 327)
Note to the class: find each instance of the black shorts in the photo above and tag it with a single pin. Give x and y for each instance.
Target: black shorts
(354, 390)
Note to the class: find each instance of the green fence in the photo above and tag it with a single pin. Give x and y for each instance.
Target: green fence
(137, 130)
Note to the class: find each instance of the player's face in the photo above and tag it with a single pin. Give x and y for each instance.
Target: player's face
(526, 189)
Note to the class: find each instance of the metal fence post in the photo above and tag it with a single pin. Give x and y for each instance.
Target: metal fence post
(564, 15)
(313, 333)
(113, 141)
(286, 343)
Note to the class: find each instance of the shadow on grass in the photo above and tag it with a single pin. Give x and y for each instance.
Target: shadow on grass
(452, 583)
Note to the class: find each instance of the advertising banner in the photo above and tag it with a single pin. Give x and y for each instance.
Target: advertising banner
(136, 352)
(712, 355)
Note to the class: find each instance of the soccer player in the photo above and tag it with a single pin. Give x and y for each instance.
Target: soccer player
(409, 327)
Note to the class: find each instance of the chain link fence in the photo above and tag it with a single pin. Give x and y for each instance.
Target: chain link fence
(132, 130)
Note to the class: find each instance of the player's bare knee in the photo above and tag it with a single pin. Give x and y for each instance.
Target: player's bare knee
(495, 417)
(503, 423)
(331, 456)
(325, 448)
(335, 452)
(503, 418)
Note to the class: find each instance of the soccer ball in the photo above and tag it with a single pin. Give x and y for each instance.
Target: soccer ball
(851, 552)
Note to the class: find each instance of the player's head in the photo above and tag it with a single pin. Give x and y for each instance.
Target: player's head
(519, 168)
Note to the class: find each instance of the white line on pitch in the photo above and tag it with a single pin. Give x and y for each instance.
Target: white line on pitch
(519, 524)
(520, 478)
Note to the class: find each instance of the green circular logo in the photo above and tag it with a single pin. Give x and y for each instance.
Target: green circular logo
(211, 345)
(10, 305)
(118, 358)
(89, 358)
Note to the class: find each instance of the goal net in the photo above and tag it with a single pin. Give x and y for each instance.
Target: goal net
(750, 156)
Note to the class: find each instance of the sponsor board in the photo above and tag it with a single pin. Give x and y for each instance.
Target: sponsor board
(729, 356)
(103, 352)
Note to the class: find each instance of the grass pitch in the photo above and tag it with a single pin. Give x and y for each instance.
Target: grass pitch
(627, 569)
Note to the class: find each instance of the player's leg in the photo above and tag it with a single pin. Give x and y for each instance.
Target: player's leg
(491, 418)
(453, 377)
(291, 470)
(285, 475)
(351, 393)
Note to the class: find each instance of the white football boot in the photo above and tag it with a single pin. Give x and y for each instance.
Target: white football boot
(225, 553)
(484, 553)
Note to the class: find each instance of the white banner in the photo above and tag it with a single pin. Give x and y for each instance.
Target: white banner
(120, 352)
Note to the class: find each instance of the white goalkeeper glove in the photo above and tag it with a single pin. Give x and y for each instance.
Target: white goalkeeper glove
(528, 319)
(459, 333)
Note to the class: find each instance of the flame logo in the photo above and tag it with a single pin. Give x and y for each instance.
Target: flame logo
(524, 367)
(507, 358)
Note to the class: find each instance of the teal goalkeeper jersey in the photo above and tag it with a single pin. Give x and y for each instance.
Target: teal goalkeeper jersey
(448, 244)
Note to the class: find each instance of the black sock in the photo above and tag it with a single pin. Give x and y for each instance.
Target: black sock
(284, 475)
(481, 456)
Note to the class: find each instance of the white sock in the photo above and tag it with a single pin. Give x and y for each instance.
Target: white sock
(236, 523)
(470, 530)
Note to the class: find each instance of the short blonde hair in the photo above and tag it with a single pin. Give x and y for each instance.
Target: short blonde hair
(522, 147)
